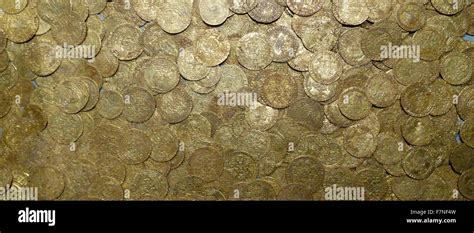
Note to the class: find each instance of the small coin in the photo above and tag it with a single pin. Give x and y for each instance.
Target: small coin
(160, 74)
(411, 16)
(65, 128)
(429, 42)
(391, 148)
(240, 165)
(351, 12)
(419, 163)
(73, 95)
(189, 67)
(349, 46)
(381, 90)
(354, 104)
(110, 104)
(42, 60)
(278, 90)
(214, 12)
(165, 144)
(175, 16)
(125, 42)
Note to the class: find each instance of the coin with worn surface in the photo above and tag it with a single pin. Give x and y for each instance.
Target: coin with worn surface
(304, 8)
(429, 42)
(49, 181)
(456, 68)
(135, 148)
(147, 184)
(448, 7)
(160, 74)
(165, 144)
(295, 192)
(307, 171)
(5, 103)
(73, 95)
(214, 12)
(21, 27)
(139, 105)
(284, 41)
(411, 16)
(465, 105)
(189, 67)
(278, 90)
(254, 51)
(466, 184)
(381, 90)
(110, 104)
(174, 106)
(240, 165)
(418, 163)
(64, 128)
(391, 148)
(174, 16)
(266, 11)
(418, 131)
(43, 59)
(351, 12)
(206, 163)
(125, 42)
(359, 141)
(6, 177)
(467, 132)
(354, 104)
(326, 67)
(350, 46)
(461, 158)
(417, 100)
(211, 48)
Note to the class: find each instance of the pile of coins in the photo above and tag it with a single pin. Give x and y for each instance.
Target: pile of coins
(237, 99)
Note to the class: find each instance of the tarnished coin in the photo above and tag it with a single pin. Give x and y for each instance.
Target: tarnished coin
(43, 58)
(465, 106)
(354, 104)
(284, 41)
(350, 46)
(110, 104)
(411, 16)
(240, 165)
(3, 40)
(381, 90)
(326, 67)
(106, 63)
(351, 12)
(49, 181)
(139, 105)
(295, 192)
(147, 10)
(467, 132)
(408, 71)
(254, 51)
(211, 48)
(189, 67)
(73, 95)
(147, 184)
(165, 144)
(64, 128)
(125, 42)
(374, 183)
(174, 106)
(429, 42)
(466, 184)
(135, 148)
(419, 163)
(307, 171)
(418, 131)
(305, 8)
(442, 97)
(317, 91)
(160, 74)
(417, 100)
(266, 11)
(206, 163)
(391, 148)
(69, 29)
(461, 158)
(243, 6)
(278, 90)
(359, 141)
(6, 176)
(456, 68)
(174, 17)
(406, 188)
(21, 27)
(13, 7)
(214, 12)
(106, 188)
(448, 7)
(308, 112)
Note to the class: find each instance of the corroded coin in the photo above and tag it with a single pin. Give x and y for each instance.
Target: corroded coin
(418, 131)
(174, 106)
(214, 12)
(418, 163)
(243, 6)
(350, 46)
(306, 171)
(326, 67)
(456, 68)
(442, 97)
(254, 51)
(461, 159)
(354, 104)
(160, 74)
(49, 181)
(211, 48)
(448, 7)
(240, 165)
(295, 192)
(64, 128)
(135, 148)
(411, 17)
(147, 184)
(139, 104)
(417, 100)
(391, 148)
(125, 42)
(189, 67)
(284, 41)
(359, 141)
(466, 183)
(266, 11)
(305, 8)
(351, 12)
(466, 102)
(174, 16)
(381, 90)
(278, 90)
(110, 104)
(467, 132)
(206, 163)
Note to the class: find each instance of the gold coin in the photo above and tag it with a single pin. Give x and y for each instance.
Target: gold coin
(5, 103)
(391, 148)
(456, 68)
(351, 12)
(3, 40)
(96, 6)
(165, 144)
(278, 90)
(350, 46)
(206, 163)
(326, 67)
(125, 42)
(466, 103)
(21, 27)
(295, 192)
(442, 97)
(50, 182)
(174, 16)
(6, 176)
(381, 90)
(354, 104)
(466, 184)
(174, 106)
(379, 10)
(307, 171)
(147, 10)
(374, 183)
(447, 7)
(418, 131)
(240, 165)
(359, 141)
(243, 6)
(135, 148)
(110, 104)
(411, 16)
(467, 132)
(105, 188)
(147, 184)
(211, 48)
(65, 128)
(139, 105)
(419, 163)
(429, 41)
(406, 188)
(69, 29)
(106, 63)
(189, 67)
(417, 100)
(73, 95)
(42, 60)
(160, 74)
(214, 12)
(13, 7)
(373, 40)
(305, 8)
(266, 11)
(461, 159)
(254, 51)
